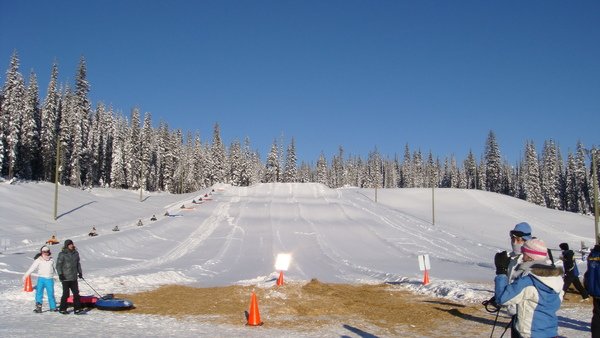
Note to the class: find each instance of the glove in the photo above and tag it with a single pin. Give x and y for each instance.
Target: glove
(61, 278)
(501, 261)
(80, 275)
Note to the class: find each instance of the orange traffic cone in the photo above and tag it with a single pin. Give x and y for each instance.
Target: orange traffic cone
(280, 279)
(426, 278)
(28, 287)
(254, 315)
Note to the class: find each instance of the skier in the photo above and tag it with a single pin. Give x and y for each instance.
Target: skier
(591, 280)
(537, 294)
(116, 228)
(44, 264)
(139, 223)
(520, 233)
(93, 232)
(153, 218)
(68, 268)
(571, 271)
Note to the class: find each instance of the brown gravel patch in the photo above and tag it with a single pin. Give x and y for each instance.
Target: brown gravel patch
(383, 310)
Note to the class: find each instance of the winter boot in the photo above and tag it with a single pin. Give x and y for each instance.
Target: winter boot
(38, 308)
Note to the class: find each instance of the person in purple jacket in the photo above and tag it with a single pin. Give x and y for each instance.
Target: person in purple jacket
(537, 294)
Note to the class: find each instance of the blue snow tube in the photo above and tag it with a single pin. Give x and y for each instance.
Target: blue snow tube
(114, 304)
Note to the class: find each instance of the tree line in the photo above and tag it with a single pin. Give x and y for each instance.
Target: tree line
(101, 147)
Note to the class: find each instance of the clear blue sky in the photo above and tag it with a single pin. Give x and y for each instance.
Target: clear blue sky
(437, 75)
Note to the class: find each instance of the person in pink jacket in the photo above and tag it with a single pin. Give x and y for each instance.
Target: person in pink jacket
(44, 264)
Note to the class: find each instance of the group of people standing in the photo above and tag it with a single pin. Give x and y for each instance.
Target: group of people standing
(68, 269)
(531, 286)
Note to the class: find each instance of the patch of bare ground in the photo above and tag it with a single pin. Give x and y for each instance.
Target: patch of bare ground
(381, 310)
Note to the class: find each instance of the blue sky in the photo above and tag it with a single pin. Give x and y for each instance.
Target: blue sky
(436, 75)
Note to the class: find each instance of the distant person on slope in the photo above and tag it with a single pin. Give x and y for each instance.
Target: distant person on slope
(571, 275)
(591, 280)
(68, 268)
(44, 264)
(537, 294)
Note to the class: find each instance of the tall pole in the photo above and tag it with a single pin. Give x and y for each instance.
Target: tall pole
(56, 172)
(596, 211)
(432, 204)
(432, 198)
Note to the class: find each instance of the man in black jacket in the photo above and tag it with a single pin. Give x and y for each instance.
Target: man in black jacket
(571, 275)
(68, 268)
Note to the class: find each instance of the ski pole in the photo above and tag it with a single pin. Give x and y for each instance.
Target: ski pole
(494, 327)
(88, 284)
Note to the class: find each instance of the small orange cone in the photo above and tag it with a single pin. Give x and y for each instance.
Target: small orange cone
(254, 315)
(28, 287)
(426, 278)
(280, 279)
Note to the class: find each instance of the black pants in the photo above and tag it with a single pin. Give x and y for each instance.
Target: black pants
(596, 318)
(570, 278)
(73, 286)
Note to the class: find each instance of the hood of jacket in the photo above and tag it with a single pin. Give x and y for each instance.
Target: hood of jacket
(548, 275)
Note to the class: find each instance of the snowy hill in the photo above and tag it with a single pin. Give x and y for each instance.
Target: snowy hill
(233, 235)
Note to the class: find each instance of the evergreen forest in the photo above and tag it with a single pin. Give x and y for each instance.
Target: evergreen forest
(97, 146)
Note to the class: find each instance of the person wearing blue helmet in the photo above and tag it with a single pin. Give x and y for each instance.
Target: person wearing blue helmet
(512, 261)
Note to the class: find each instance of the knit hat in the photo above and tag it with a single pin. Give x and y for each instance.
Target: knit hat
(522, 230)
(564, 246)
(68, 242)
(536, 249)
(45, 248)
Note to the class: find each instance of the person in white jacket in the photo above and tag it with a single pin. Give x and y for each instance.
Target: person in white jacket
(44, 264)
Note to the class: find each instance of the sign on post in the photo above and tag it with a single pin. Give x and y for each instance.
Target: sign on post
(424, 262)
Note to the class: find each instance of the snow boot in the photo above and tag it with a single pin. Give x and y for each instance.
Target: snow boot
(38, 308)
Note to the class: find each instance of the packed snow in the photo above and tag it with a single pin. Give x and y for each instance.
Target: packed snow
(232, 235)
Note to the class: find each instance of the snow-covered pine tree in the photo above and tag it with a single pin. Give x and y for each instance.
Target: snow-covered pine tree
(199, 162)
(235, 163)
(189, 179)
(28, 163)
(530, 175)
(272, 165)
(118, 177)
(13, 105)
(148, 161)
(177, 179)
(304, 173)
(322, 176)
(65, 134)
(583, 181)
(493, 164)
(107, 139)
(418, 170)
(247, 175)
(80, 125)
(336, 179)
(470, 169)
(49, 126)
(135, 150)
(406, 177)
(550, 174)
(481, 174)
(390, 173)
(291, 166)
(219, 157)
(572, 185)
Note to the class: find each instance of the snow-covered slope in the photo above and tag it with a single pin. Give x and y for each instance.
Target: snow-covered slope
(235, 233)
